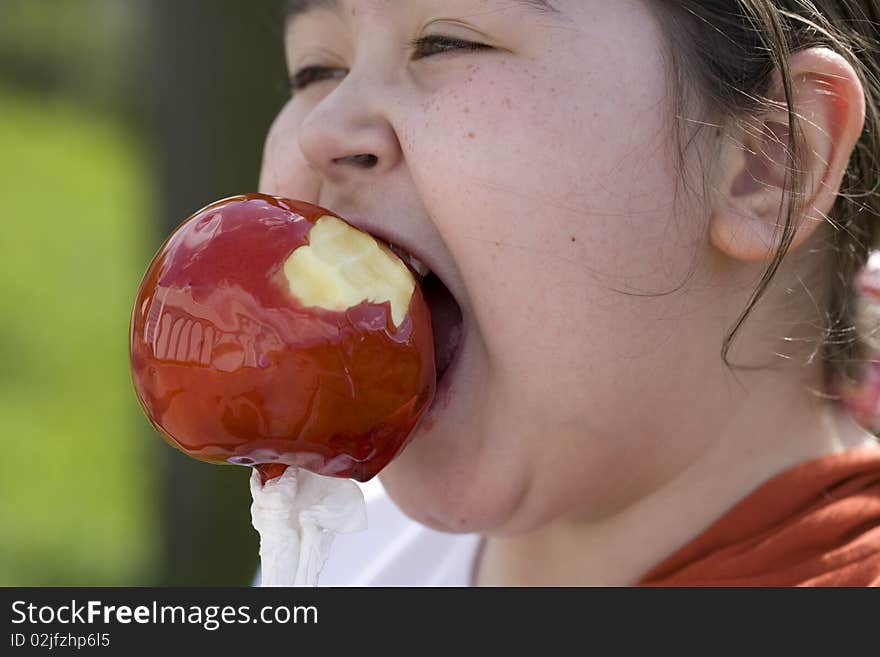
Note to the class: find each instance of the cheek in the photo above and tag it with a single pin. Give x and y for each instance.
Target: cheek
(284, 170)
(548, 206)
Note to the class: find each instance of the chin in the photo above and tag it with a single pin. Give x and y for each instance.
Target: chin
(455, 495)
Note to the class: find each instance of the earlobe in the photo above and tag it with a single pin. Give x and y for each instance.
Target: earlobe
(750, 201)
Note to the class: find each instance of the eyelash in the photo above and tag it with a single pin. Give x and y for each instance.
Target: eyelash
(439, 39)
(306, 76)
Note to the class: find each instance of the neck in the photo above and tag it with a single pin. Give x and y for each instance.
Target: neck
(769, 431)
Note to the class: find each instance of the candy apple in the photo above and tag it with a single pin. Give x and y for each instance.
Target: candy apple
(271, 332)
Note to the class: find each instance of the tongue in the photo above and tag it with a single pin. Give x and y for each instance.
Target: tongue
(445, 321)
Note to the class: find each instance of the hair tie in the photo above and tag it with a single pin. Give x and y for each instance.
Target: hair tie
(862, 398)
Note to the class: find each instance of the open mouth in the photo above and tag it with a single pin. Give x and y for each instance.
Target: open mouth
(446, 320)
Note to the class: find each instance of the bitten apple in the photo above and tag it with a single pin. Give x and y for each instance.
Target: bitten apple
(270, 332)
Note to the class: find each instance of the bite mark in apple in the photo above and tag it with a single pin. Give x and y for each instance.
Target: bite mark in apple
(342, 267)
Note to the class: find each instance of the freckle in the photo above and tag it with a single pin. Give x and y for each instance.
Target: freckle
(471, 135)
(573, 238)
(466, 109)
(507, 103)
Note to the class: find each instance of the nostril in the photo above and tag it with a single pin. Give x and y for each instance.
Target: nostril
(364, 160)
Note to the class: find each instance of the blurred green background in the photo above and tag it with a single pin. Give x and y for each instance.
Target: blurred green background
(118, 118)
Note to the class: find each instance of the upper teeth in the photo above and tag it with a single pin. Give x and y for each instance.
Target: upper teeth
(417, 265)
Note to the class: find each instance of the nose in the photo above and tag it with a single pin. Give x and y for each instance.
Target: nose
(348, 136)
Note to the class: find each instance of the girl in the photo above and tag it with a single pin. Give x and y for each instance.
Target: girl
(643, 218)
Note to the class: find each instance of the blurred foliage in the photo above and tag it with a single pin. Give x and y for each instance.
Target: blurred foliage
(117, 119)
(86, 50)
(75, 485)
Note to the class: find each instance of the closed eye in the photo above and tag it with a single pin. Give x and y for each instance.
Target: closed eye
(309, 74)
(426, 46)
(433, 44)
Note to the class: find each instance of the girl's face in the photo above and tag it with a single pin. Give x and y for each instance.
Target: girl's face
(536, 176)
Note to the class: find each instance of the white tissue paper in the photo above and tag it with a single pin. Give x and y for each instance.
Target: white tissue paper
(297, 515)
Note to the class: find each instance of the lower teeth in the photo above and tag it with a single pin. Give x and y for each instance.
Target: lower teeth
(420, 270)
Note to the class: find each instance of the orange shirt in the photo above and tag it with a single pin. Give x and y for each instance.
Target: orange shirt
(816, 524)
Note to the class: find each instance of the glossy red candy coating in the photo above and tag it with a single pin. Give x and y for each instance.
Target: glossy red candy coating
(231, 368)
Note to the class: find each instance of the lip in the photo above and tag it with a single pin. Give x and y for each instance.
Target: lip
(443, 392)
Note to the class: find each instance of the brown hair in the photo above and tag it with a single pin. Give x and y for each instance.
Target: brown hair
(728, 51)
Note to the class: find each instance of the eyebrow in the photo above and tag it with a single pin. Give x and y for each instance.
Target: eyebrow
(297, 7)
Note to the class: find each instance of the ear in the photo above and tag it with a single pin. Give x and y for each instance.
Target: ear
(748, 214)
